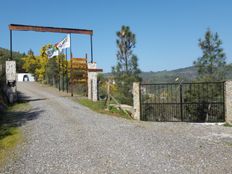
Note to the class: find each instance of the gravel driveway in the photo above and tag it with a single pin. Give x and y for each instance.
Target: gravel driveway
(65, 137)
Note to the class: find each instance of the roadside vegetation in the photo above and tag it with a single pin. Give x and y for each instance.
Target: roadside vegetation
(227, 125)
(126, 71)
(100, 107)
(10, 132)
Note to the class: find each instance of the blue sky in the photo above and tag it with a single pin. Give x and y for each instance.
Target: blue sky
(167, 31)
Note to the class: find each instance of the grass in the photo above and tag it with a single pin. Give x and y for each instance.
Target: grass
(99, 106)
(227, 125)
(10, 134)
(10, 137)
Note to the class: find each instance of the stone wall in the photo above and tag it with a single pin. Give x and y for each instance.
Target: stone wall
(228, 102)
(136, 100)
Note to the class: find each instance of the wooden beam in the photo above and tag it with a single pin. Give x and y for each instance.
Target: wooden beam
(95, 70)
(49, 29)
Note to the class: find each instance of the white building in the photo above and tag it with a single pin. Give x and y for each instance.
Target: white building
(25, 77)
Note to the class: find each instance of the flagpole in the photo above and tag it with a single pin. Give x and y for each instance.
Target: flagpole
(63, 71)
(59, 71)
(66, 56)
(91, 45)
(71, 73)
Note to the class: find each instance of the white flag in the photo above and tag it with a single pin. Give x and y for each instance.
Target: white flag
(51, 52)
(65, 43)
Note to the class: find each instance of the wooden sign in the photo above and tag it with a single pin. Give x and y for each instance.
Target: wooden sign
(79, 68)
(79, 63)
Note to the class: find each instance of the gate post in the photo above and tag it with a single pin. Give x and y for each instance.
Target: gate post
(228, 102)
(136, 100)
(92, 81)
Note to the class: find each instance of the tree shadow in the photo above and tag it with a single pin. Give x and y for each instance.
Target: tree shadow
(16, 117)
(24, 99)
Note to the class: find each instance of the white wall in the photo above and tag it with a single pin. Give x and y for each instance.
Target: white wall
(20, 77)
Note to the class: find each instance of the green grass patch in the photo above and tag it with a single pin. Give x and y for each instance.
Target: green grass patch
(10, 133)
(99, 106)
(10, 137)
(227, 125)
(229, 144)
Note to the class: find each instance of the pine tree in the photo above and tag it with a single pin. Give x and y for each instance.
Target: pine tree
(126, 71)
(211, 66)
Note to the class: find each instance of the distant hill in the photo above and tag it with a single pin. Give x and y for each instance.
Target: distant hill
(186, 74)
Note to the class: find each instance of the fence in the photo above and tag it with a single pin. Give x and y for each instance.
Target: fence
(189, 102)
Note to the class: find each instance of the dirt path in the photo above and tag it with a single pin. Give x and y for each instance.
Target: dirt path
(65, 137)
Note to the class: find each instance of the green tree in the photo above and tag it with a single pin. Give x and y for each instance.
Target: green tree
(5, 55)
(211, 67)
(213, 61)
(42, 61)
(52, 71)
(29, 62)
(126, 70)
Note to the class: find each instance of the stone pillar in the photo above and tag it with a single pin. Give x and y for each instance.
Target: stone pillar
(228, 102)
(92, 86)
(92, 81)
(11, 80)
(136, 100)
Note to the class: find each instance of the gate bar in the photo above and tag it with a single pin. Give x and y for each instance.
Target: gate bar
(181, 103)
(91, 44)
(49, 29)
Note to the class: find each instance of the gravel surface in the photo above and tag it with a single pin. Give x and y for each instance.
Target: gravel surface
(64, 137)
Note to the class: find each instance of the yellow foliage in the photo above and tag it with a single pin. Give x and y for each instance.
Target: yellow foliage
(42, 61)
(38, 65)
(29, 62)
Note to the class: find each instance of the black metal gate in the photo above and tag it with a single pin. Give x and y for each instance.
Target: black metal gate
(189, 102)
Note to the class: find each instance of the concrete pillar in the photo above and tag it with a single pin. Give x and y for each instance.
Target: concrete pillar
(136, 100)
(228, 102)
(92, 86)
(92, 81)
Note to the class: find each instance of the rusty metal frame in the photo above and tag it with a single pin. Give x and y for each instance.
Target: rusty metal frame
(19, 27)
(49, 29)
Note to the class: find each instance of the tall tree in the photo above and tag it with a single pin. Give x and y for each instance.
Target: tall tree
(42, 61)
(29, 62)
(17, 56)
(126, 70)
(211, 66)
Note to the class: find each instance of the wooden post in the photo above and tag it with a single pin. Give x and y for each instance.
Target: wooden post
(108, 95)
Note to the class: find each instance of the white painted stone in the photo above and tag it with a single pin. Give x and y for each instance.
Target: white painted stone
(92, 82)
(136, 100)
(228, 102)
(10, 71)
